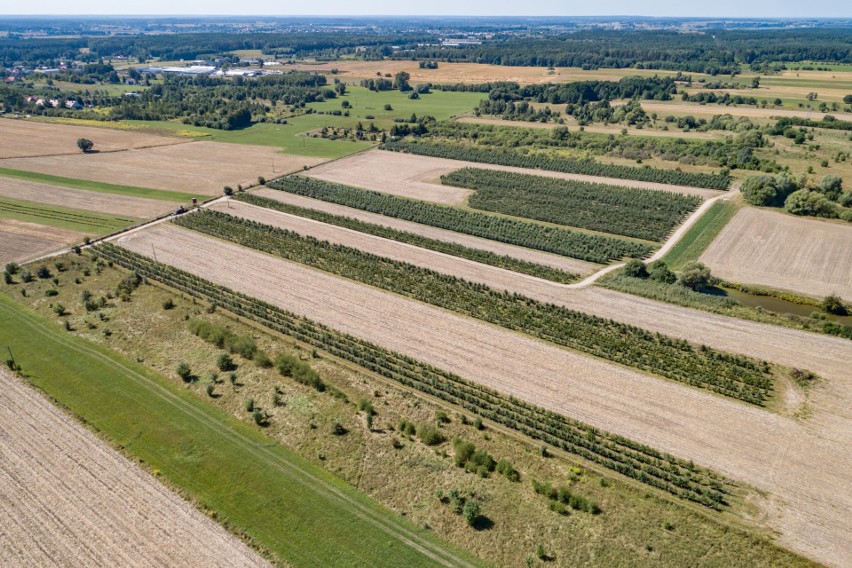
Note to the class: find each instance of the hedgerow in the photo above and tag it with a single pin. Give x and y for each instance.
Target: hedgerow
(454, 249)
(594, 248)
(567, 165)
(638, 461)
(641, 213)
(737, 377)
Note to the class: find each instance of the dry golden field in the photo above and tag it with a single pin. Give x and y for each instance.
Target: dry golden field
(68, 499)
(21, 138)
(193, 167)
(769, 451)
(768, 248)
(20, 240)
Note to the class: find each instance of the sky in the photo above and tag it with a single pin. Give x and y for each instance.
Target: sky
(715, 8)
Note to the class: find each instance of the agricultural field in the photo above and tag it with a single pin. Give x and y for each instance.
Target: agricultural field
(201, 168)
(750, 111)
(557, 262)
(411, 478)
(29, 138)
(22, 240)
(69, 499)
(767, 248)
(713, 431)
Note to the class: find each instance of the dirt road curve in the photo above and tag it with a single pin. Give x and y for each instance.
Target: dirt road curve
(774, 453)
(418, 177)
(67, 499)
(531, 255)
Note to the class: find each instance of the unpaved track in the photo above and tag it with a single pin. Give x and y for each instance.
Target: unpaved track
(418, 177)
(20, 138)
(809, 256)
(197, 167)
(20, 240)
(67, 499)
(119, 205)
(530, 255)
(772, 452)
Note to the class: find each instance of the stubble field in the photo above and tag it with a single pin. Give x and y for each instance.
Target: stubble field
(20, 240)
(67, 499)
(808, 256)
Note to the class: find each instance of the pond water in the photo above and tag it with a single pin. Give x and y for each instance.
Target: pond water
(776, 305)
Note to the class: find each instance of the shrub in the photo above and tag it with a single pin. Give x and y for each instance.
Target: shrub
(184, 371)
(51, 292)
(659, 271)
(43, 272)
(12, 268)
(249, 405)
(228, 190)
(168, 304)
(833, 304)
(406, 427)
(807, 202)
(26, 276)
(635, 268)
(225, 362)
(7, 278)
(695, 276)
(430, 434)
(299, 371)
(366, 407)
(261, 180)
(210, 388)
(505, 468)
(478, 424)
(337, 429)
(262, 360)
(59, 309)
(471, 512)
(441, 417)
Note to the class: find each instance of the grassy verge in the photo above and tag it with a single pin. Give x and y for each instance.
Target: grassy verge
(296, 510)
(62, 217)
(637, 526)
(485, 257)
(98, 186)
(701, 234)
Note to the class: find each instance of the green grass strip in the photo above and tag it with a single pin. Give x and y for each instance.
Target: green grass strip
(701, 234)
(62, 217)
(454, 249)
(101, 187)
(297, 510)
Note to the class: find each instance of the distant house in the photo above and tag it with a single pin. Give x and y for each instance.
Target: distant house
(73, 105)
(131, 81)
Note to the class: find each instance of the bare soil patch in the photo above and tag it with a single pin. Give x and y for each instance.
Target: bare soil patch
(68, 499)
(201, 167)
(418, 177)
(20, 240)
(21, 138)
(774, 453)
(121, 205)
(767, 248)
(547, 259)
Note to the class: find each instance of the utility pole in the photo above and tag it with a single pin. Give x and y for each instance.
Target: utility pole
(154, 251)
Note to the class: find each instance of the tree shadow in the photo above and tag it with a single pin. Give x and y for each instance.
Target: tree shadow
(483, 523)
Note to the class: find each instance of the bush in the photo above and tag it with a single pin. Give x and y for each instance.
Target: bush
(59, 309)
(471, 512)
(228, 190)
(366, 407)
(43, 272)
(225, 362)
(406, 427)
(184, 371)
(168, 304)
(833, 304)
(695, 276)
(301, 372)
(635, 268)
(7, 278)
(505, 468)
(768, 191)
(337, 429)
(807, 202)
(262, 360)
(659, 271)
(441, 417)
(12, 268)
(430, 434)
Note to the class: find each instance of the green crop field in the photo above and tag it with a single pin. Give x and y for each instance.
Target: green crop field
(701, 234)
(162, 195)
(62, 217)
(253, 485)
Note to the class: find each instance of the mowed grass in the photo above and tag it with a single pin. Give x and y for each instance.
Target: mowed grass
(299, 512)
(159, 194)
(701, 234)
(62, 217)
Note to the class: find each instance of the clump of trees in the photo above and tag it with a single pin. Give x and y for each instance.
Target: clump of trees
(802, 197)
(85, 144)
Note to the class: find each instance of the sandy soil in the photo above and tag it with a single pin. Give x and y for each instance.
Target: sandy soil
(676, 109)
(20, 138)
(20, 240)
(121, 205)
(768, 248)
(67, 499)
(417, 177)
(547, 259)
(801, 469)
(199, 167)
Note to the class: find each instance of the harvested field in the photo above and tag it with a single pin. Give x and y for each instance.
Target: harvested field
(530, 255)
(196, 167)
(68, 499)
(20, 240)
(767, 248)
(82, 199)
(773, 453)
(417, 177)
(21, 138)
(750, 111)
